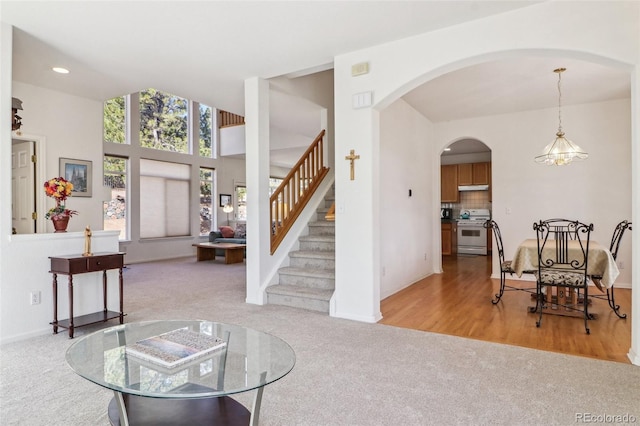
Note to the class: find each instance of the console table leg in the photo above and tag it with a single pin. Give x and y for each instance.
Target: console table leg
(257, 401)
(70, 306)
(120, 285)
(55, 303)
(104, 291)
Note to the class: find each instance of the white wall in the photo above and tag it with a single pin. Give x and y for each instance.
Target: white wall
(26, 269)
(406, 222)
(72, 127)
(605, 32)
(597, 190)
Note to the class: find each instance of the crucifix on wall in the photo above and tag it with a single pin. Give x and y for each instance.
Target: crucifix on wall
(352, 157)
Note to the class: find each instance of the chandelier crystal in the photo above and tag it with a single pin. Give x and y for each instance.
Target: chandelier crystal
(561, 151)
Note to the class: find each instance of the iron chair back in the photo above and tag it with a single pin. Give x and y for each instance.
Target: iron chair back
(563, 253)
(616, 239)
(505, 265)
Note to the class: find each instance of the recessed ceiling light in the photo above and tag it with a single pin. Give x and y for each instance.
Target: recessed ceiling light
(60, 70)
(447, 149)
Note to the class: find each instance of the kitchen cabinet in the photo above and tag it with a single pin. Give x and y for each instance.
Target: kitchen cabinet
(449, 183)
(474, 173)
(449, 236)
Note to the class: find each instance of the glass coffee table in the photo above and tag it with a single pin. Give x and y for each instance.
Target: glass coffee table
(197, 392)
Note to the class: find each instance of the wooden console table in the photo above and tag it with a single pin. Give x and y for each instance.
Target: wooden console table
(78, 264)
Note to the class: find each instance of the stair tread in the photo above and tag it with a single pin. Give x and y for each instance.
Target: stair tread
(308, 272)
(322, 237)
(316, 254)
(308, 292)
(322, 223)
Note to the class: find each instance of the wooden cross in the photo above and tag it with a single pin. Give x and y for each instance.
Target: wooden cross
(352, 157)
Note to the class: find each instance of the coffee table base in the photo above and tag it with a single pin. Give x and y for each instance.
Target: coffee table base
(173, 412)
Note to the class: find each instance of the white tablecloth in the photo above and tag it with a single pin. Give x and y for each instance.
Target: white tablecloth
(600, 261)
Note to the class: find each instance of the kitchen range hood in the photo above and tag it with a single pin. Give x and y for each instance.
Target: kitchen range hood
(473, 188)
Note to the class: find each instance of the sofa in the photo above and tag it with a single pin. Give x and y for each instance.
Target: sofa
(226, 234)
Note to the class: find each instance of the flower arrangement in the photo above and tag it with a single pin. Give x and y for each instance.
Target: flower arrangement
(59, 189)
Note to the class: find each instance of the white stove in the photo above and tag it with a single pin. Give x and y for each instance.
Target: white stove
(472, 235)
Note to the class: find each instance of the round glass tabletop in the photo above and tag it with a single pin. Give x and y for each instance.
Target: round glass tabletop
(250, 359)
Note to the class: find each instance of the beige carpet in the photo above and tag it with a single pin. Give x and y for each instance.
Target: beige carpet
(347, 373)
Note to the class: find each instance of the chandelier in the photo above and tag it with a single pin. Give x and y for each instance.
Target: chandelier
(561, 151)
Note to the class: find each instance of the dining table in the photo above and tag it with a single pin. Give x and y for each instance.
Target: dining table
(600, 263)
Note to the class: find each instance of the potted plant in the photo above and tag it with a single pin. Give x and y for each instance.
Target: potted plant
(59, 189)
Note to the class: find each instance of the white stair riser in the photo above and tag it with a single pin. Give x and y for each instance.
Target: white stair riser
(305, 281)
(312, 262)
(298, 302)
(317, 245)
(317, 229)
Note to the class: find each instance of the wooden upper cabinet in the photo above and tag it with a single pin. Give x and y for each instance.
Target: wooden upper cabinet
(465, 174)
(481, 173)
(473, 173)
(449, 183)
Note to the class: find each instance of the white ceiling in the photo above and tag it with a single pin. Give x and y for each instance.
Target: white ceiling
(205, 50)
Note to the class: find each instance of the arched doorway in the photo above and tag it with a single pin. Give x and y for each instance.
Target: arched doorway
(466, 198)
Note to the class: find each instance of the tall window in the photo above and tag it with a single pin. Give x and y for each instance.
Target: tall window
(115, 206)
(114, 120)
(206, 206)
(206, 134)
(274, 183)
(241, 200)
(164, 199)
(163, 121)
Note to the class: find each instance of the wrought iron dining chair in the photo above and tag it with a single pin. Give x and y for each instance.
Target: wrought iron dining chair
(505, 265)
(618, 232)
(563, 253)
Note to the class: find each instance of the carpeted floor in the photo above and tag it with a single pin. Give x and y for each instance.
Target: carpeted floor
(346, 373)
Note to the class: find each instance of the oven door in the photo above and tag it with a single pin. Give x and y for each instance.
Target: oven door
(472, 239)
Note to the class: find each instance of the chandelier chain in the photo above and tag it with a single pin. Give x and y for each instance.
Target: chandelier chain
(559, 102)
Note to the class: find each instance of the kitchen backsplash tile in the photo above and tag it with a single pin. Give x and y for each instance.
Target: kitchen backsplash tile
(475, 200)
(470, 200)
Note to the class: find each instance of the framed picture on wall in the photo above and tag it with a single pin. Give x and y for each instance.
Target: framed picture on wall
(225, 199)
(79, 173)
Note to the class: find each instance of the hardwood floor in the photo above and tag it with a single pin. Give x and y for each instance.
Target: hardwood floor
(458, 302)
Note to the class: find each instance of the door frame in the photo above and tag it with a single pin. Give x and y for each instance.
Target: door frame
(40, 169)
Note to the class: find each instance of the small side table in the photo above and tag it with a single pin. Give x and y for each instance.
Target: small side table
(78, 264)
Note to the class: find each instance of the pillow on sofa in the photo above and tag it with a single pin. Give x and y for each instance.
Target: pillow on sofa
(226, 231)
(241, 231)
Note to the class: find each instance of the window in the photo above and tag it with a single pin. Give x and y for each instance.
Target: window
(164, 199)
(206, 206)
(206, 133)
(163, 121)
(115, 206)
(274, 183)
(114, 120)
(241, 200)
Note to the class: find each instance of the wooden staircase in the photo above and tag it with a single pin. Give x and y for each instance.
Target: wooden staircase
(309, 281)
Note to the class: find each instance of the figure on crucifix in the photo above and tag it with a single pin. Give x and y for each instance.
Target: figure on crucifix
(352, 157)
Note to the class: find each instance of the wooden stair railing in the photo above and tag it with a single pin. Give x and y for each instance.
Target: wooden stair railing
(295, 191)
(228, 119)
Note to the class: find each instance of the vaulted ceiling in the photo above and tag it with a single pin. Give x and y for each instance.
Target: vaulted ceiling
(205, 50)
